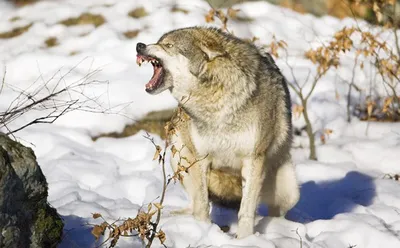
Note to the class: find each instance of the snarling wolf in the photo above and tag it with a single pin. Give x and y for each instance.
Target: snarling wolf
(240, 129)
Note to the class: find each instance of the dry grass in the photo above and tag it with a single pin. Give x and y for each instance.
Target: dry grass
(153, 123)
(243, 19)
(72, 53)
(15, 32)
(131, 33)
(337, 8)
(342, 9)
(84, 19)
(293, 5)
(23, 2)
(14, 19)
(138, 13)
(175, 9)
(51, 42)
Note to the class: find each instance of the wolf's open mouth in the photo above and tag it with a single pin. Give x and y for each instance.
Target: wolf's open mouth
(158, 74)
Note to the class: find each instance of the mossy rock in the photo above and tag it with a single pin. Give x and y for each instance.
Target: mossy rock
(47, 230)
(26, 219)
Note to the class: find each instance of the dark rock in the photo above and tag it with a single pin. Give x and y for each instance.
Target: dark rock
(26, 219)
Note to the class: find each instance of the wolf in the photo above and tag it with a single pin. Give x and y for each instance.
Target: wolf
(239, 130)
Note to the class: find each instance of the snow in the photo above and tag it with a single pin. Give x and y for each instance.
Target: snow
(346, 200)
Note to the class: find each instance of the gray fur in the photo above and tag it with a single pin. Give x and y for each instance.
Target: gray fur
(240, 111)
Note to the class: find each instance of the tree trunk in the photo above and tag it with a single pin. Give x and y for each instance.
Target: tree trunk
(310, 133)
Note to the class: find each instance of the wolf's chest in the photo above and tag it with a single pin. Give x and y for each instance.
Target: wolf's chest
(225, 142)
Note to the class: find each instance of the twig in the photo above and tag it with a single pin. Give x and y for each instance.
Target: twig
(301, 240)
(3, 81)
(158, 218)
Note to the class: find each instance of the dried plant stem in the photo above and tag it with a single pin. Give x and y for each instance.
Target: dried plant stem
(164, 189)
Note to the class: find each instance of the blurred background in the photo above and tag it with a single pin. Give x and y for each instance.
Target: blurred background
(336, 8)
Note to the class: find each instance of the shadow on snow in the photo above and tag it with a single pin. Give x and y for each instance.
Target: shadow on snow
(76, 233)
(322, 200)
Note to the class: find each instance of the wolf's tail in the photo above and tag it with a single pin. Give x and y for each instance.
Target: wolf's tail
(224, 188)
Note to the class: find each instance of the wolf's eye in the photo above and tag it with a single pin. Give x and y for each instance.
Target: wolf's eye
(169, 45)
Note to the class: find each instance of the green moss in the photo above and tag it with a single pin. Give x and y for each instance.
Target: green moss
(50, 225)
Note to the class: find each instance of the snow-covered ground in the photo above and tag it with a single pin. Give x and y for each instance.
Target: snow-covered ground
(345, 201)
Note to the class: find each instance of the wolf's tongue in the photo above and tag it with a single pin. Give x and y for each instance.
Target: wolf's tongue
(156, 80)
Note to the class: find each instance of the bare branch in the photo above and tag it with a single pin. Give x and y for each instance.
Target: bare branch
(53, 98)
(3, 80)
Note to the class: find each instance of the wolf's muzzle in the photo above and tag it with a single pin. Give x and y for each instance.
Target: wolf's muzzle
(140, 47)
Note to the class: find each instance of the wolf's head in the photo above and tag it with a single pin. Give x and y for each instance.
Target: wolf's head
(181, 58)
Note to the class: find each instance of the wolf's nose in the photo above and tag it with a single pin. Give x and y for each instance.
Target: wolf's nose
(140, 47)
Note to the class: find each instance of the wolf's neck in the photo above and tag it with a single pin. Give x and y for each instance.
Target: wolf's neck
(216, 104)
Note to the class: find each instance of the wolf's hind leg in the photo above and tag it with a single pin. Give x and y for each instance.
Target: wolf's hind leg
(280, 190)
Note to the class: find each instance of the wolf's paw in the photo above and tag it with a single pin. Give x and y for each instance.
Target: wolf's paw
(245, 227)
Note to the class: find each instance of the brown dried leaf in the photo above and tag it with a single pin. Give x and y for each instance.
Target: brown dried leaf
(232, 13)
(151, 214)
(158, 206)
(181, 168)
(386, 106)
(323, 139)
(173, 150)
(298, 110)
(157, 153)
(97, 231)
(210, 16)
(282, 44)
(370, 106)
(96, 215)
(161, 236)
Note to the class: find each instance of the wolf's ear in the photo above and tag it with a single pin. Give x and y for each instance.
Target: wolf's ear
(211, 52)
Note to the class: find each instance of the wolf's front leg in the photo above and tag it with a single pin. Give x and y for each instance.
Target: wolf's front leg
(253, 174)
(201, 206)
(194, 182)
